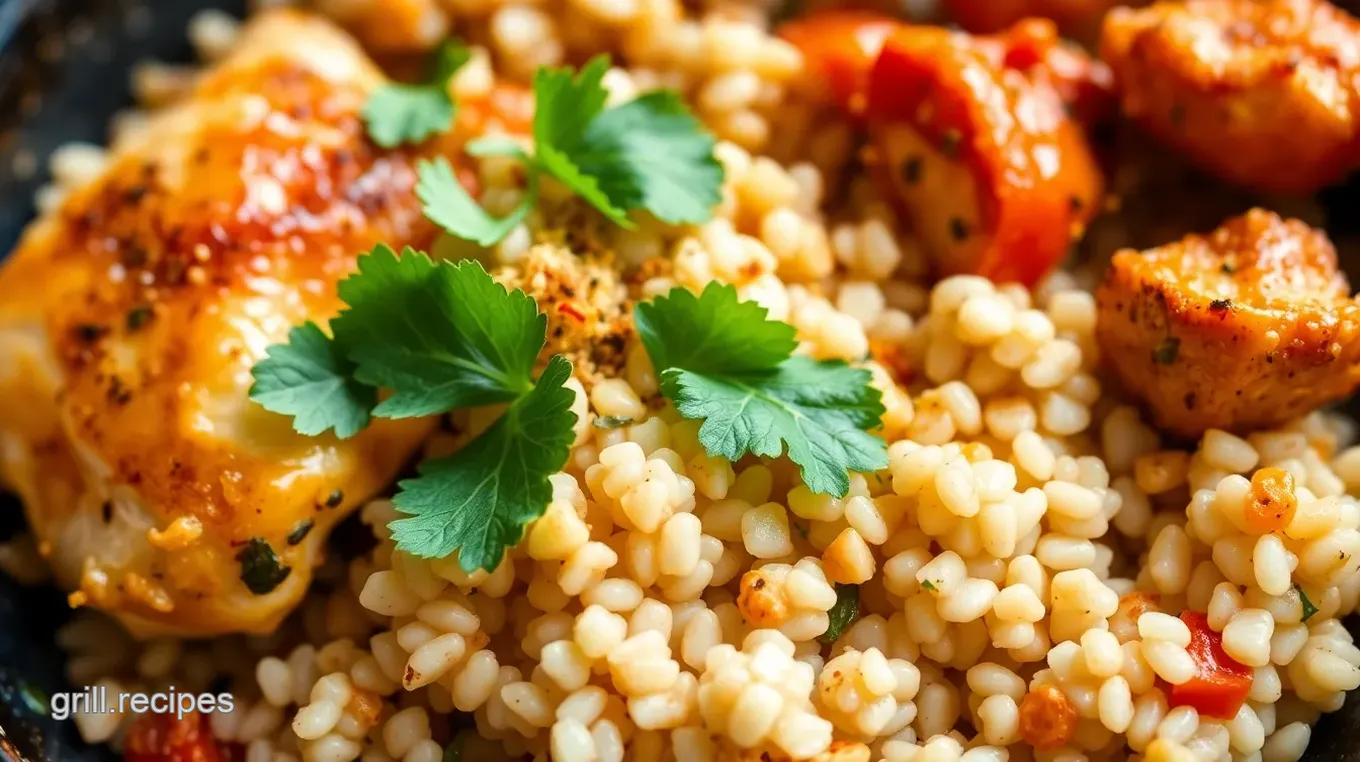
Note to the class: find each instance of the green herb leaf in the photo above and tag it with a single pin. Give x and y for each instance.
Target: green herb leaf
(928, 586)
(650, 153)
(563, 109)
(478, 500)
(261, 569)
(1308, 608)
(841, 615)
(309, 379)
(714, 332)
(439, 335)
(723, 362)
(448, 205)
(398, 113)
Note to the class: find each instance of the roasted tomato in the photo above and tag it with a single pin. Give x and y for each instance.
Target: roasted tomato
(1242, 329)
(1262, 93)
(840, 48)
(996, 178)
(1221, 683)
(163, 738)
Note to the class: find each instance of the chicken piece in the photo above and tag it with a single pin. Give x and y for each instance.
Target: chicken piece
(1245, 328)
(978, 146)
(130, 319)
(972, 134)
(1263, 93)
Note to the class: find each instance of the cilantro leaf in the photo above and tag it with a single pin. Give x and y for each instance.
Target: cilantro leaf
(310, 379)
(563, 109)
(448, 205)
(439, 335)
(478, 500)
(398, 113)
(651, 153)
(715, 332)
(726, 364)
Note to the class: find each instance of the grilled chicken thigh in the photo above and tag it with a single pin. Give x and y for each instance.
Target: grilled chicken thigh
(130, 319)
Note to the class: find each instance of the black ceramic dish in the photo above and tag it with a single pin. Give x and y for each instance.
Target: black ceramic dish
(64, 68)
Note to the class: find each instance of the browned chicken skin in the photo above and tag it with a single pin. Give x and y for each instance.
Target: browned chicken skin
(1263, 93)
(130, 319)
(1247, 327)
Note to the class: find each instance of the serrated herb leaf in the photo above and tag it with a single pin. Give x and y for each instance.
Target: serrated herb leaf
(842, 614)
(309, 379)
(722, 362)
(478, 501)
(650, 153)
(448, 205)
(397, 113)
(441, 335)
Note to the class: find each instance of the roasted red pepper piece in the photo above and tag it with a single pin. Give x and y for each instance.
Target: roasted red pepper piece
(996, 177)
(163, 738)
(840, 47)
(1221, 683)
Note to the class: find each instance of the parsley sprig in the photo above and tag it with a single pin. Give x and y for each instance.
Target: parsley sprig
(649, 153)
(398, 113)
(722, 361)
(439, 337)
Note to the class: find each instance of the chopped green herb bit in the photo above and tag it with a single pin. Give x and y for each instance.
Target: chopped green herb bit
(261, 569)
(1308, 608)
(928, 586)
(842, 614)
(1167, 351)
(723, 362)
(608, 422)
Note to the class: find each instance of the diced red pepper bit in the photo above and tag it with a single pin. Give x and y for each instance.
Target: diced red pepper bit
(163, 738)
(1221, 683)
(569, 309)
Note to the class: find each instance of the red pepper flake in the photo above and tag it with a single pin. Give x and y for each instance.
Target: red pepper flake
(569, 309)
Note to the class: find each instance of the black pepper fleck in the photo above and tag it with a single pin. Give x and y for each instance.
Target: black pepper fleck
(912, 169)
(138, 316)
(958, 229)
(300, 531)
(335, 498)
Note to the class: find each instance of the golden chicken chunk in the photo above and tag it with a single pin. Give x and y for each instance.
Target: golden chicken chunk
(1263, 93)
(131, 317)
(1244, 328)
